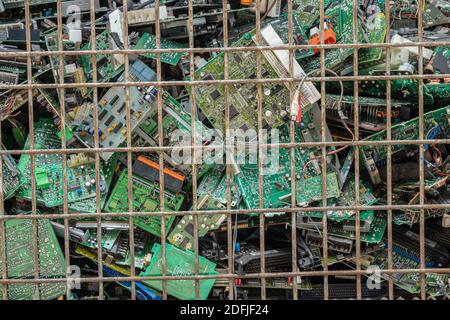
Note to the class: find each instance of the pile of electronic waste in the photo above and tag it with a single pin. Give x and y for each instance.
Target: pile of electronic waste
(315, 200)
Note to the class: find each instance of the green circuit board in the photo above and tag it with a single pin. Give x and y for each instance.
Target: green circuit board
(109, 239)
(308, 11)
(90, 205)
(375, 234)
(179, 263)
(211, 196)
(177, 132)
(20, 260)
(148, 41)
(11, 176)
(49, 172)
(242, 98)
(106, 70)
(376, 34)
(310, 189)
(340, 15)
(435, 284)
(347, 198)
(183, 234)
(276, 175)
(439, 91)
(145, 199)
(375, 156)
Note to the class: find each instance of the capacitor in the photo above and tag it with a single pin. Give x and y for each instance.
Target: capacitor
(92, 181)
(88, 186)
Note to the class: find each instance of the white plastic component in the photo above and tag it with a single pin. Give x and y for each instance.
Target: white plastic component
(75, 35)
(314, 31)
(199, 62)
(446, 220)
(70, 68)
(115, 25)
(407, 68)
(399, 56)
(264, 5)
(427, 53)
(146, 15)
(309, 93)
(276, 9)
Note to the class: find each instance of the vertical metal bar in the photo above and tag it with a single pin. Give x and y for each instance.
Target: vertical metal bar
(324, 150)
(356, 150)
(422, 4)
(230, 235)
(260, 138)
(292, 155)
(2, 229)
(63, 142)
(193, 151)
(129, 153)
(160, 143)
(96, 144)
(32, 158)
(389, 150)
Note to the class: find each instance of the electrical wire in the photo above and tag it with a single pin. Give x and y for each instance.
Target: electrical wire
(342, 117)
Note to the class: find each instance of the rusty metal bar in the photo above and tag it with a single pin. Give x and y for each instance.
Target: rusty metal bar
(229, 276)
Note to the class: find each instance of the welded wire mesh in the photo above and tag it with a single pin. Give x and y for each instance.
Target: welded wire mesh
(322, 78)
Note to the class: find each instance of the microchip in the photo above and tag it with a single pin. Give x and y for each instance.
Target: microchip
(237, 58)
(108, 122)
(102, 114)
(118, 127)
(215, 94)
(208, 77)
(252, 76)
(441, 64)
(265, 74)
(309, 8)
(184, 243)
(233, 112)
(189, 229)
(276, 89)
(244, 127)
(121, 108)
(114, 100)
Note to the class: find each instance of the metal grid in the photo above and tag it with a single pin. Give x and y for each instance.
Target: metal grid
(230, 276)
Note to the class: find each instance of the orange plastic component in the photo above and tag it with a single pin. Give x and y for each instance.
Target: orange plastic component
(165, 170)
(329, 38)
(246, 2)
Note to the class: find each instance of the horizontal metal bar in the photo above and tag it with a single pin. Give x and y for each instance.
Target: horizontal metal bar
(228, 276)
(225, 49)
(193, 83)
(214, 147)
(224, 211)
